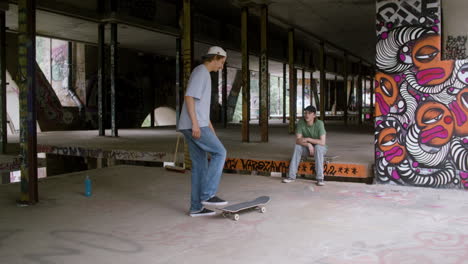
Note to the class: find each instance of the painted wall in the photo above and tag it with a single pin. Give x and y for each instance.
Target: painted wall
(421, 136)
(455, 27)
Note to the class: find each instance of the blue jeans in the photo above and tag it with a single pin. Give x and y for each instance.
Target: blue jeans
(205, 175)
(302, 151)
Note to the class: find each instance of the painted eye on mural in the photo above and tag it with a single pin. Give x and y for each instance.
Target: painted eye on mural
(432, 115)
(426, 54)
(389, 140)
(464, 99)
(386, 86)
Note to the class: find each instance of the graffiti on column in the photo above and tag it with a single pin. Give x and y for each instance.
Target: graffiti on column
(421, 129)
(455, 48)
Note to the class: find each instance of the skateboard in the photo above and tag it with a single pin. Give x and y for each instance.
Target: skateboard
(233, 210)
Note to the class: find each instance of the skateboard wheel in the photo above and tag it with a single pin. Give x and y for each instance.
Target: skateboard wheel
(236, 217)
(263, 209)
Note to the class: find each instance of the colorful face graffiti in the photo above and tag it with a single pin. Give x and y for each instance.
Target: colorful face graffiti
(436, 123)
(389, 144)
(460, 112)
(386, 93)
(426, 57)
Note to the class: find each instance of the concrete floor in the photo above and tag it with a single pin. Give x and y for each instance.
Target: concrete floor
(139, 215)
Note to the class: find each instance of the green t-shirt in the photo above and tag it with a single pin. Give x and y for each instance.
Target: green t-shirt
(314, 131)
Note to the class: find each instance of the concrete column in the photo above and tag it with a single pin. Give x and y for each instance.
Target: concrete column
(303, 91)
(114, 74)
(152, 116)
(359, 93)
(27, 100)
(111, 162)
(99, 163)
(264, 74)
(3, 84)
(335, 95)
(101, 78)
(345, 87)
(187, 58)
(323, 81)
(292, 83)
(364, 89)
(351, 91)
(245, 75)
(178, 70)
(284, 93)
(214, 110)
(372, 86)
(224, 96)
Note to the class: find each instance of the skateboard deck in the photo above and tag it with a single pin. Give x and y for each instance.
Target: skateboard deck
(233, 210)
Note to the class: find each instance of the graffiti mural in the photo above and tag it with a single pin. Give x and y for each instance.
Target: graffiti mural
(421, 109)
(116, 154)
(305, 168)
(455, 48)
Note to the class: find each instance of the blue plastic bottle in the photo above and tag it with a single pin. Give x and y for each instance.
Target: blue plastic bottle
(87, 186)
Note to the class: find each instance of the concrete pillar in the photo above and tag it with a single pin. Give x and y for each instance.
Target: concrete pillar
(279, 96)
(113, 78)
(323, 81)
(101, 78)
(214, 110)
(3, 84)
(264, 75)
(372, 86)
(99, 163)
(313, 84)
(245, 75)
(111, 162)
(303, 91)
(27, 100)
(178, 70)
(292, 83)
(284, 92)
(345, 87)
(359, 93)
(224, 96)
(187, 58)
(335, 95)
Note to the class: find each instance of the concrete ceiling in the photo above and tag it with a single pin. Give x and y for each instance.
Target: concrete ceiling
(348, 24)
(344, 24)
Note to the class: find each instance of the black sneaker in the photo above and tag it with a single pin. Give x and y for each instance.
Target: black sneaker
(215, 200)
(203, 212)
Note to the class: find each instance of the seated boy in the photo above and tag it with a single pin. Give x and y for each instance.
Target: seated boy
(310, 141)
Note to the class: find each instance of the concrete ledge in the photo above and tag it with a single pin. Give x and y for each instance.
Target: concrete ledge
(117, 154)
(350, 170)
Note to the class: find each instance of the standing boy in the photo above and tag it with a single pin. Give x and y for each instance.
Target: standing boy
(200, 135)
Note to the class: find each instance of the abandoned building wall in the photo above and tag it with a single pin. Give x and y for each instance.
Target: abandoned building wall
(421, 136)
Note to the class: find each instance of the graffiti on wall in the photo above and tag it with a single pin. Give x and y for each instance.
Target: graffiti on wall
(305, 168)
(117, 154)
(421, 135)
(455, 48)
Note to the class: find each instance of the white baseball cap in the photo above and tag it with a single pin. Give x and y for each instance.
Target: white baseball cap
(215, 50)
